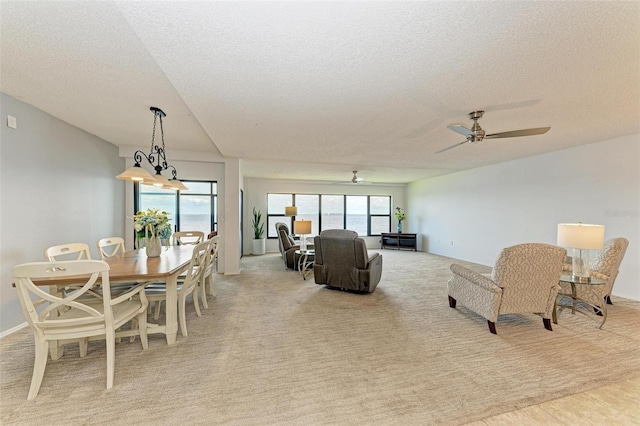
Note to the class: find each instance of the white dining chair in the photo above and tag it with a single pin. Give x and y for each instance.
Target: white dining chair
(82, 316)
(108, 247)
(187, 237)
(70, 251)
(207, 274)
(157, 293)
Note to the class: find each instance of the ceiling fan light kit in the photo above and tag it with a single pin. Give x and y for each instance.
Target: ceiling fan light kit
(476, 134)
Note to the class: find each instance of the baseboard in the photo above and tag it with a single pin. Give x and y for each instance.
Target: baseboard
(13, 330)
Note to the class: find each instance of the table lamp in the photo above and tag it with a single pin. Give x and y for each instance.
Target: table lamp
(303, 228)
(582, 237)
(290, 211)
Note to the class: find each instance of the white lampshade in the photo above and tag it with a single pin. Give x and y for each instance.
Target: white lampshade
(290, 211)
(581, 236)
(135, 173)
(302, 227)
(163, 182)
(178, 185)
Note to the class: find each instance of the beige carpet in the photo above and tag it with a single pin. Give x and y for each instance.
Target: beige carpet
(274, 349)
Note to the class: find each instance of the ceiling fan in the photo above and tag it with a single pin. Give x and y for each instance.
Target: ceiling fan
(355, 178)
(476, 134)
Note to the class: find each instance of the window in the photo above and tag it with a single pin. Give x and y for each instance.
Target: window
(357, 214)
(195, 209)
(275, 212)
(309, 209)
(379, 215)
(332, 211)
(366, 214)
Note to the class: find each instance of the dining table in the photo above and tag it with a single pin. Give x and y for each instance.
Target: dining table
(136, 266)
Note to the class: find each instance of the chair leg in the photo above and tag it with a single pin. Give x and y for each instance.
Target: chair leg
(212, 291)
(83, 343)
(56, 350)
(547, 324)
(492, 327)
(452, 302)
(203, 293)
(196, 304)
(142, 328)
(134, 324)
(111, 355)
(39, 366)
(181, 313)
(156, 313)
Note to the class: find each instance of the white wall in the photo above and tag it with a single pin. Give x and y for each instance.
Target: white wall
(57, 186)
(489, 208)
(256, 190)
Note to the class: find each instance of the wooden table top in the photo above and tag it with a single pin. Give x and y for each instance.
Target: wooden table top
(135, 265)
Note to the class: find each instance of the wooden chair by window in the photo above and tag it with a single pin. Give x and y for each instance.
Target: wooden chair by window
(187, 237)
(82, 317)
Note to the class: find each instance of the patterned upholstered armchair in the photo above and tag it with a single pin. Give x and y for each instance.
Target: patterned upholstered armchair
(603, 265)
(524, 280)
(287, 246)
(342, 261)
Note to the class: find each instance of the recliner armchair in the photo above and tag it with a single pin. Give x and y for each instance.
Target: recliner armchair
(342, 261)
(287, 246)
(524, 280)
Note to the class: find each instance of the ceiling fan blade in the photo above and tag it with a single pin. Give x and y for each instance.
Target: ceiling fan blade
(516, 133)
(460, 129)
(452, 146)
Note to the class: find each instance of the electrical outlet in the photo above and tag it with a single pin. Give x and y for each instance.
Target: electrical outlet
(12, 122)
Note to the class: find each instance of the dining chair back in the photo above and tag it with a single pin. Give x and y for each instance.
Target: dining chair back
(157, 293)
(71, 251)
(111, 246)
(187, 237)
(75, 315)
(208, 270)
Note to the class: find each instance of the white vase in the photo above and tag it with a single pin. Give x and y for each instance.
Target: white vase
(154, 246)
(259, 247)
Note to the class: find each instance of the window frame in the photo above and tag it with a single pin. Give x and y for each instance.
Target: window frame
(290, 219)
(137, 193)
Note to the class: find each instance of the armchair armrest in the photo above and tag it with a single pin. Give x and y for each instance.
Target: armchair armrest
(474, 278)
(475, 291)
(375, 271)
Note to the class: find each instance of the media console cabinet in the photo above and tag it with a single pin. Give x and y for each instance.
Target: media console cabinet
(399, 241)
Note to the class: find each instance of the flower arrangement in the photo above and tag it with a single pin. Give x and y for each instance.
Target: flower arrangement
(152, 224)
(399, 214)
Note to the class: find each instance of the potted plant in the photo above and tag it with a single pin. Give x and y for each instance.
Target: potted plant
(152, 226)
(400, 216)
(259, 242)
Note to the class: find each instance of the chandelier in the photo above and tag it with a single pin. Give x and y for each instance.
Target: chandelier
(156, 154)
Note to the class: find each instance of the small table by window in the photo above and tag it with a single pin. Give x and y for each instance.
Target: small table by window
(591, 286)
(305, 262)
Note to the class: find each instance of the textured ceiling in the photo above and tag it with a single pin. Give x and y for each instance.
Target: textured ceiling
(314, 90)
